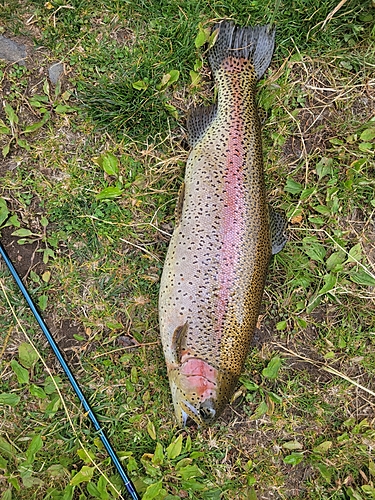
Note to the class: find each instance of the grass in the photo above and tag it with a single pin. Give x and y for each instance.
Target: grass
(90, 195)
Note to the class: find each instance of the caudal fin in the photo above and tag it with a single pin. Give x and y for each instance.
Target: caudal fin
(253, 43)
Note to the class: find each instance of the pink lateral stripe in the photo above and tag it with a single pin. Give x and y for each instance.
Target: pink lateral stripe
(233, 212)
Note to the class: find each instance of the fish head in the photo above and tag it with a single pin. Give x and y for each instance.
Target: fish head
(194, 392)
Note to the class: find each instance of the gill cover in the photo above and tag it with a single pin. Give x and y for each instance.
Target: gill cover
(193, 383)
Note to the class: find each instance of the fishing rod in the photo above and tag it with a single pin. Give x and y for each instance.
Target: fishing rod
(127, 482)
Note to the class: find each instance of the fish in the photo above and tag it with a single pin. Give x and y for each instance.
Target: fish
(224, 236)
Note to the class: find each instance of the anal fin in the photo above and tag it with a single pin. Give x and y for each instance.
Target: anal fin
(198, 120)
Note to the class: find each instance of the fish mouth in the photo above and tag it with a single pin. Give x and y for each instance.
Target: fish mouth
(189, 411)
(203, 416)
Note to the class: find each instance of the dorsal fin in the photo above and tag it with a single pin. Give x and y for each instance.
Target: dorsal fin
(198, 120)
(278, 229)
(262, 113)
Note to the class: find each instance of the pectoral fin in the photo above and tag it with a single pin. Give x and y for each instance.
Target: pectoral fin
(179, 341)
(278, 228)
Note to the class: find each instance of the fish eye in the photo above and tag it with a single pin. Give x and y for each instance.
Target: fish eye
(207, 412)
(204, 413)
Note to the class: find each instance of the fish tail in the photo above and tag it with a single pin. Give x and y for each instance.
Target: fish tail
(254, 44)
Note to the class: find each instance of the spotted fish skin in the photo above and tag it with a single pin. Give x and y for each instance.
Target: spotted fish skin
(214, 274)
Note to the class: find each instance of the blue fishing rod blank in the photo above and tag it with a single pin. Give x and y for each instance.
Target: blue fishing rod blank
(127, 482)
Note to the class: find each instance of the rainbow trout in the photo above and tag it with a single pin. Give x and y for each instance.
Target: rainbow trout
(225, 233)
